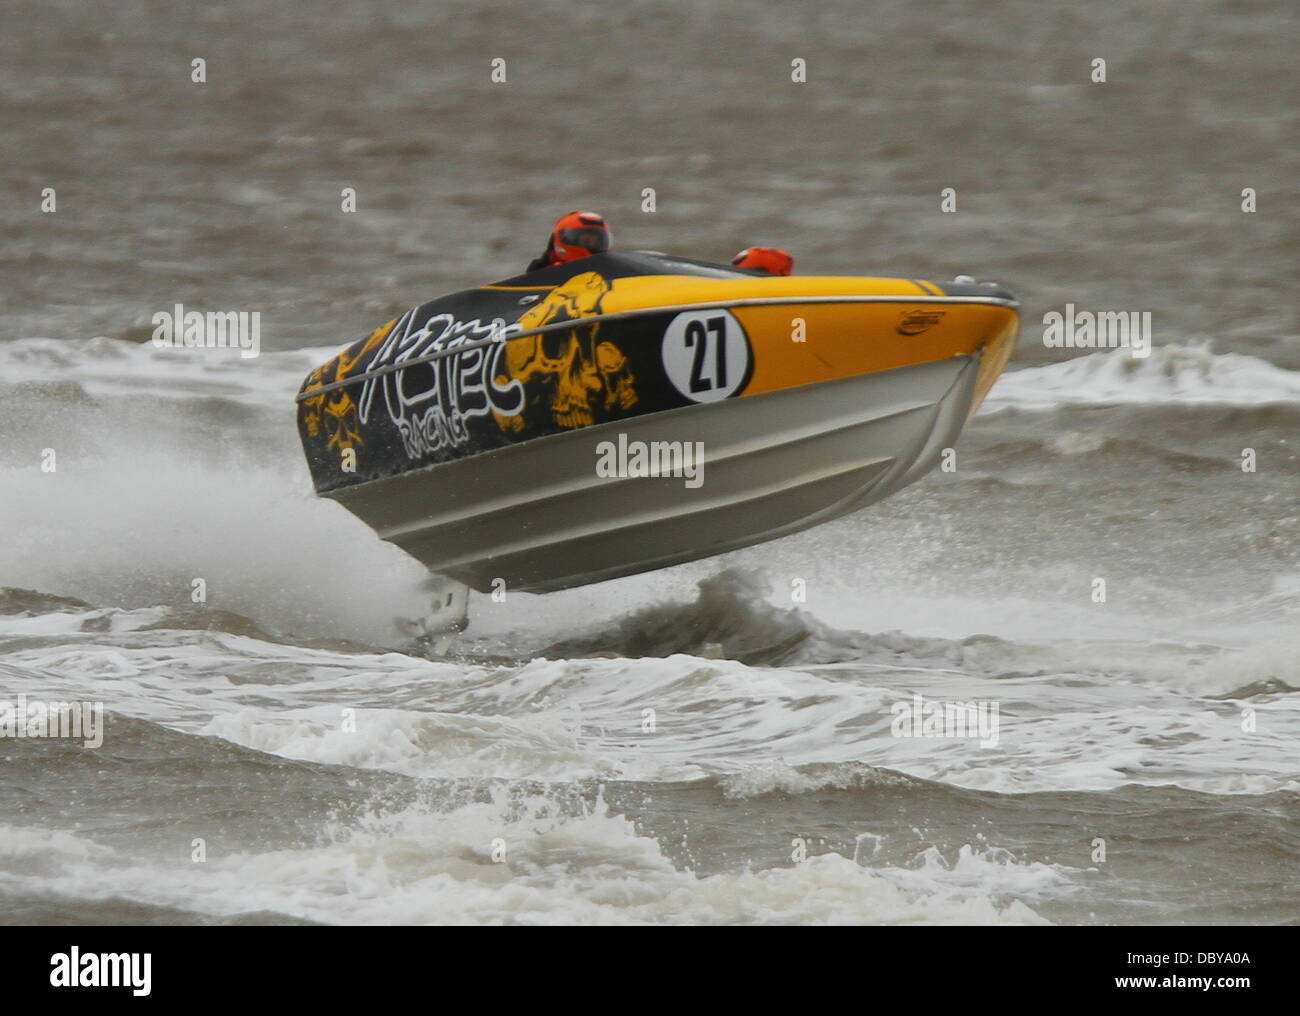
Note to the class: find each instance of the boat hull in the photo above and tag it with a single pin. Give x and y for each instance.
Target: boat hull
(537, 518)
(626, 422)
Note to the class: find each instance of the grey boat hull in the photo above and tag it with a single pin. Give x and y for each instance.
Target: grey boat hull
(539, 518)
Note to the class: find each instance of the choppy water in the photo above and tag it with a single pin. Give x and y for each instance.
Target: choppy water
(334, 775)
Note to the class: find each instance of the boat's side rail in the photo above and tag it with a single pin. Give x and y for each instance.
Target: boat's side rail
(510, 331)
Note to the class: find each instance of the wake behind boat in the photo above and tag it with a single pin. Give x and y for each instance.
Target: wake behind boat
(630, 411)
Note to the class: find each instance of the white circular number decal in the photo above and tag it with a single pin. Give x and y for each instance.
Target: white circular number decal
(706, 355)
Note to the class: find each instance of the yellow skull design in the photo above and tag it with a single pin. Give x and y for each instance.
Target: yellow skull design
(335, 413)
(577, 365)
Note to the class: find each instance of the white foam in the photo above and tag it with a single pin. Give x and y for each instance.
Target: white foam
(1089, 729)
(1172, 375)
(417, 743)
(106, 367)
(419, 866)
(138, 525)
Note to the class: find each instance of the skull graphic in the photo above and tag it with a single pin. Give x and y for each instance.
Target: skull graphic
(570, 366)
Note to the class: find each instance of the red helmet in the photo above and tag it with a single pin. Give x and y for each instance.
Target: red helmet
(772, 260)
(577, 235)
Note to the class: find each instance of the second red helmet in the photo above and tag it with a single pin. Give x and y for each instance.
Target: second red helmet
(772, 260)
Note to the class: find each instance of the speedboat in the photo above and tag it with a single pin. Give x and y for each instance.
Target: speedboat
(631, 411)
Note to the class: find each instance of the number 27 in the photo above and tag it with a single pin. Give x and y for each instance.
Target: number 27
(697, 337)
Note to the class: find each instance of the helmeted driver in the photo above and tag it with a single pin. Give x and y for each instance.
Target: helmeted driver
(576, 235)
